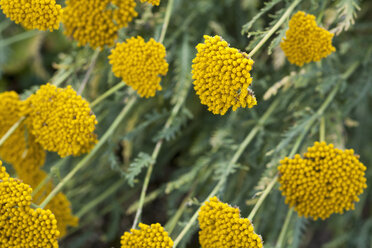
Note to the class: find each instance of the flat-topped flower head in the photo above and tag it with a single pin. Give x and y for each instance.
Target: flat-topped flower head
(140, 64)
(324, 181)
(222, 226)
(304, 41)
(222, 76)
(153, 2)
(20, 146)
(33, 14)
(96, 22)
(20, 225)
(62, 121)
(148, 236)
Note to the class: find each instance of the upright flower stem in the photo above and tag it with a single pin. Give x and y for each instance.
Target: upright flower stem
(233, 161)
(275, 27)
(279, 243)
(155, 154)
(89, 71)
(11, 130)
(91, 154)
(168, 14)
(322, 129)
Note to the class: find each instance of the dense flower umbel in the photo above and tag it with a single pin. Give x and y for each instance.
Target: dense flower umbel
(59, 205)
(221, 226)
(21, 145)
(62, 121)
(222, 77)
(140, 64)
(20, 225)
(326, 180)
(304, 41)
(153, 2)
(148, 236)
(33, 14)
(94, 22)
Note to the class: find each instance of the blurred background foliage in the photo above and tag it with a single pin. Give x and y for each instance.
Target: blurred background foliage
(199, 145)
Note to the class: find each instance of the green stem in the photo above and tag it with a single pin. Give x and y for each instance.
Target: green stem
(89, 71)
(11, 130)
(168, 14)
(155, 154)
(233, 161)
(108, 93)
(60, 79)
(274, 28)
(279, 243)
(100, 198)
(90, 155)
(19, 37)
(322, 129)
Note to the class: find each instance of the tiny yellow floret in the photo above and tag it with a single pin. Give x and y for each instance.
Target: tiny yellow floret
(140, 64)
(62, 121)
(222, 76)
(324, 181)
(222, 226)
(304, 41)
(148, 236)
(33, 14)
(96, 22)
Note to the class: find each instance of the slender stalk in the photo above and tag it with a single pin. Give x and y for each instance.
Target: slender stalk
(11, 130)
(90, 155)
(279, 243)
(108, 93)
(19, 37)
(233, 161)
(168, 14)
(274, 28)
(89, 71)
(60, 79)
(154, 156)
(100, 198)
(322, 129)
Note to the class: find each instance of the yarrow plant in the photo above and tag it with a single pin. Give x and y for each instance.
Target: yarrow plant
(324, 181)
(33, 14)
(304, 41)
(140, 64)
(222, 76)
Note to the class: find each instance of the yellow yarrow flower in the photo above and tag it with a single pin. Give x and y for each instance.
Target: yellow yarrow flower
(140, 64)
(33, 14)
(94, 22)
(153, 2)
(221, 76)
(21, 145)
(222, 226)
(20, 225)
(62, 121)
(324, 181)
(304, 41)
(147, 236)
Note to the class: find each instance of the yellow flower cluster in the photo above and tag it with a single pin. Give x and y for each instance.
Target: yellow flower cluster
(59, 205)
(304, 41)
(139, 64)
(221, 226)
(20, 225)
(222, 77)
(33, 14)
(94, 22)
(21, 145)
(62, 121)
(148, 236)
(153, 2)
(326, 180)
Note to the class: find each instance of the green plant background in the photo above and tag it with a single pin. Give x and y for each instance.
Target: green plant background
(199, 145)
